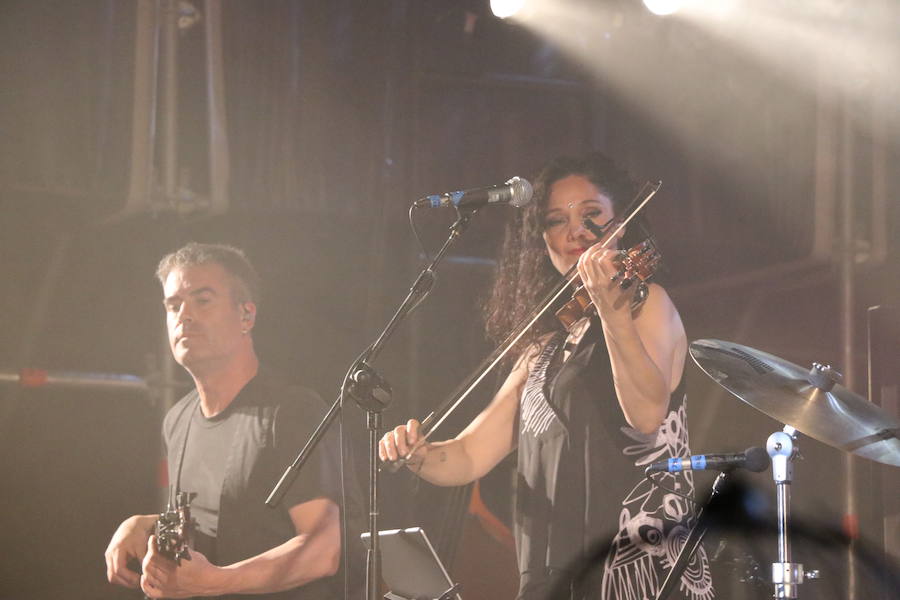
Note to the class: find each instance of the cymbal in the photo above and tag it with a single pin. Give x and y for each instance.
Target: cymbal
(809, 400)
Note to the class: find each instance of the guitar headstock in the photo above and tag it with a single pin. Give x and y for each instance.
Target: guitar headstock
(175, 528)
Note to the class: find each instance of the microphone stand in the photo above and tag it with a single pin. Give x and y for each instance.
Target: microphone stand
(698, 532)
(373, 394)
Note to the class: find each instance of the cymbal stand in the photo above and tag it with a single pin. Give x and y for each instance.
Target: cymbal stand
(786, 575)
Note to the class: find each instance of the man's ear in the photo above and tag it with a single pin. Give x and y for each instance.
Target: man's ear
(248, 314)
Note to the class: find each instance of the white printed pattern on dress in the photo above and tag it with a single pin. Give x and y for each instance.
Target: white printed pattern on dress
(642, 547)
(537, 414)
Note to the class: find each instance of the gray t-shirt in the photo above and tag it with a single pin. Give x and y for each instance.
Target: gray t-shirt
(205, 455)
(233, 460)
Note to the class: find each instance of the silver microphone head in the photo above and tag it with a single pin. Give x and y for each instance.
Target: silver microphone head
(521, 191)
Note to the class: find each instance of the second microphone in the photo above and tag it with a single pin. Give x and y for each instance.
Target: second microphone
(515, 192)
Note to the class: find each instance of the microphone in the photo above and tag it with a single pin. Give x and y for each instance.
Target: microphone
(754, 459)
(516, 192)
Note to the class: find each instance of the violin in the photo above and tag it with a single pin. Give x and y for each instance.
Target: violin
(636, 265)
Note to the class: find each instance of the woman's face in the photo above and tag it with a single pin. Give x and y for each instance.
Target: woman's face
(573, 199)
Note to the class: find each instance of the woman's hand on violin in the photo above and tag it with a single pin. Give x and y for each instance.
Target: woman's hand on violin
(597, 268)
(400, 441)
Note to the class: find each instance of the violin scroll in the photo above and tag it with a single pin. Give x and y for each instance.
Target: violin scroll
(637, 265)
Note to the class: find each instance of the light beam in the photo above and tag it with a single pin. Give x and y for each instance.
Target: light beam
(506, 8)
(662, 7)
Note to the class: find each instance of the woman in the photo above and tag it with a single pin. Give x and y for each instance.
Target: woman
(587, 408)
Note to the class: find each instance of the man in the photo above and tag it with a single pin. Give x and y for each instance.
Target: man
(228, 441)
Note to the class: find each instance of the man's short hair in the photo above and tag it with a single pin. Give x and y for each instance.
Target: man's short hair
(246, 286)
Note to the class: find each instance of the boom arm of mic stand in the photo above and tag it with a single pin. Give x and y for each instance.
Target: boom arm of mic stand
(290, 474)
(419, 290)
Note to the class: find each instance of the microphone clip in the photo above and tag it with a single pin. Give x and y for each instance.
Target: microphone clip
(368, 388)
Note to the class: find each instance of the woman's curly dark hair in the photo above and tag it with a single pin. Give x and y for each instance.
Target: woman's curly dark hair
(524, 272)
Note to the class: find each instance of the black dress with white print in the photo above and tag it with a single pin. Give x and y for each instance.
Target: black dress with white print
(581, 493)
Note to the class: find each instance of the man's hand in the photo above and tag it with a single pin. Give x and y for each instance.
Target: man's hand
(128, 542)
(162, 578)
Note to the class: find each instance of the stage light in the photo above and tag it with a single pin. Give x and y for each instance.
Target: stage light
(506, 8)
(662, 7)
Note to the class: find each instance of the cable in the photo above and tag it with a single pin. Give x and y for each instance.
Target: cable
(649, 477)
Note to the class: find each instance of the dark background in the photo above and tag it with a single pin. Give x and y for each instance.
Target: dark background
(339, 115)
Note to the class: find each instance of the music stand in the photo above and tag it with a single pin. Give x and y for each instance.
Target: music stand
(411, 568)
